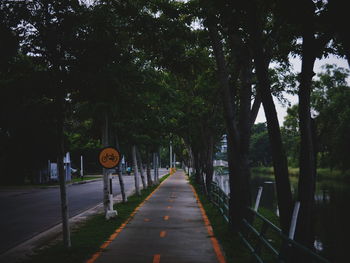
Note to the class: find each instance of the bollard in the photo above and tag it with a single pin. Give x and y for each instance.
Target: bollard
(294, 220)
(111, 213)
(258, 197)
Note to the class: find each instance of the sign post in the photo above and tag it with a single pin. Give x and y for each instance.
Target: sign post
(109, 157)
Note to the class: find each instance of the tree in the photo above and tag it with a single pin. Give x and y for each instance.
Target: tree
(260, 149)
(330, 102)
(48, 30)
(290, 135)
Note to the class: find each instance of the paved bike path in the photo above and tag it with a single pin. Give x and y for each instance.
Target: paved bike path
(168, 228)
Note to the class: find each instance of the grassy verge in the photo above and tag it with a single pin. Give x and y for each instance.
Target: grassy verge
(234, 249)
(322, 173)
(231, 244)
(85, 178)
(88, 237)
(29, 185)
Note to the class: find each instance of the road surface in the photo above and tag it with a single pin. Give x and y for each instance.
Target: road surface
(28, 212)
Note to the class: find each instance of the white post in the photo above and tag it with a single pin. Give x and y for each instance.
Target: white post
(294, 220)
(174, 160)
(258, 197)
(171, 155)
(81, 167)
(111, 213)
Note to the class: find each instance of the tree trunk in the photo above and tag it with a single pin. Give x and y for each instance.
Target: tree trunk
(120, 175)
(155, 178)
(148, 169)
(245, 119)
(307, 174)
(157, 165)
(61, 172)
(197, 174)
(238, 205)
(105, 143)
(136, 173)
(142, 172)
(284, 194)
(209, 168)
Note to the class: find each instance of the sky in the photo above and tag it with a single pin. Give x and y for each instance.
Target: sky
(296, 62)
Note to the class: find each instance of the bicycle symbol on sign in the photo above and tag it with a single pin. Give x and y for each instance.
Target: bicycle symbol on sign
(109, 157)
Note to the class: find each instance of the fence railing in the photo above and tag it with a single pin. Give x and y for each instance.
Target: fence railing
(267, 242)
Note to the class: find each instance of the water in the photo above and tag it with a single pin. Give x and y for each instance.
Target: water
(331, 215)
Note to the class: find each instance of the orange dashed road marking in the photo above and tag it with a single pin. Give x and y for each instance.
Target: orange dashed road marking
(169, 207)
(214, 241)
(166, 218)
(95, 256)
(146, 219)
(162, 234)
(156, 258)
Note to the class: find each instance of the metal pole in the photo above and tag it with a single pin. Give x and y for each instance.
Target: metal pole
(294, 220)
(258, 197)
(81, 167)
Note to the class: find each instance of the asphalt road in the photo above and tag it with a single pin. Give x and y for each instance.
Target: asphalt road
(28, 212)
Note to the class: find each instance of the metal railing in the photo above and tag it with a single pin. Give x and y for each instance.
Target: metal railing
(269, 241)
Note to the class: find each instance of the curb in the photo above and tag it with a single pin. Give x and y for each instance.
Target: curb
(70, 184)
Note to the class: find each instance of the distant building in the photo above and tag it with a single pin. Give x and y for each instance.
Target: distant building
(222, 149)
(224, 144)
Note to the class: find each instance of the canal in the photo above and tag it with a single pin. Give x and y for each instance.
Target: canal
(331, 215)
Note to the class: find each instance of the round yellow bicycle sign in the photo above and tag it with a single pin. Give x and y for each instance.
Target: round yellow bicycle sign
(109, 157)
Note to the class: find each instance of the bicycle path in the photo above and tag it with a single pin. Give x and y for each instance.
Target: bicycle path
(169, 227)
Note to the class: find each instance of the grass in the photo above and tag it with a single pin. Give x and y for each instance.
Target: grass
(28, 185)
(322, 173)
(234, 249)
(88, 237)
(232, 246)
(85, 178)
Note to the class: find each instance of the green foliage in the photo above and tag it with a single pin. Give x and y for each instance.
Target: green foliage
(290, 135)
(260, 151)
(331, 103)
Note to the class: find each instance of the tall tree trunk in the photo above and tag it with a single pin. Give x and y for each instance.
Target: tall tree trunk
(155, 167)
(238, 206)
(61, 172)
(105, 143)
(158, 164)
(120, 175)
(284, 194)
(136, 172)
(307, 174)
(197, 174)
(245, 118)
(142, 172)
(209, 168)
(148, 169)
